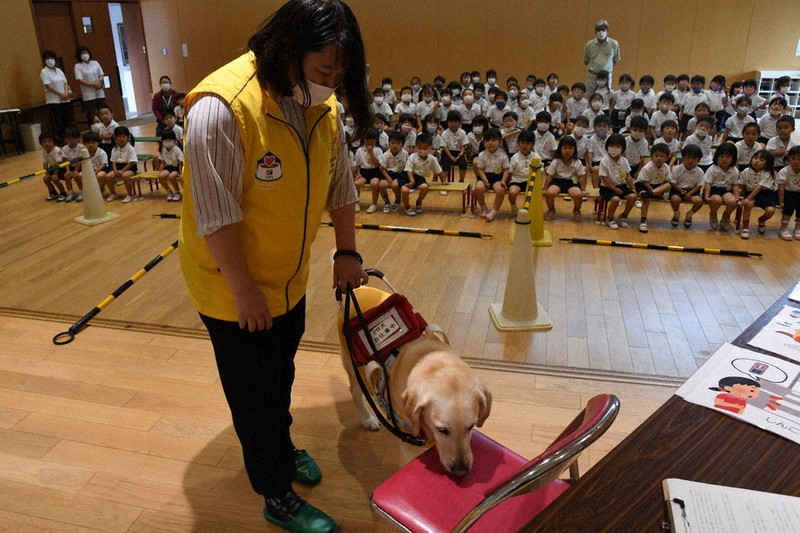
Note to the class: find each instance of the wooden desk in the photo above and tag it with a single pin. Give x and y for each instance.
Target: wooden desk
(682, 440)
(10, 117)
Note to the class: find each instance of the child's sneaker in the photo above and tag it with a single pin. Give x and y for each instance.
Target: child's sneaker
(70, 197)
(50, 197)
(623, 222)
(725, 224)
(170, 196)
(643, 227)
(419, 210)
(762, 227)
(745, 233)
(395, 206)
(797, 234)
(676, 218)
(490, 215)
(612, 224)
(442, 193)
(79, 198)
(127, 199)
(60, 198)
(137, 198)
(111, 197)
(387, 208)
(714, 223)
(371, 209)
(637, 204)
(687, 223)
(410, 212)
(177, 197)
(358, 208)
(786, 235)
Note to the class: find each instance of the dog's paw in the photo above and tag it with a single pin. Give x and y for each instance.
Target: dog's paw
(371, 423)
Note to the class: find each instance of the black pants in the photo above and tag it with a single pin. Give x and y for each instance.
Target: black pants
(60, 114)
(92, 108)
(257, 372)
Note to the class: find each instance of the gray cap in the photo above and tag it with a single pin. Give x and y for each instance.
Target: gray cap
(601, 23)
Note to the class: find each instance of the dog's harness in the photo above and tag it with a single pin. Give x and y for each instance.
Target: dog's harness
(389, 320)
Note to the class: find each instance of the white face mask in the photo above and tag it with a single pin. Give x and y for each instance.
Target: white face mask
(601, 83)
(468, 99)
(427, 99)
(543, 126)
(597, 105)
(406, 98)
(415, 87)
(476, 79)
(166, 86)
(378, 100)
(580, 131)
(625, 88)
(602, 34)
(85, 57)
(615, 151)
(387, 87)
(669, 88)
(477, 130)
(317, 94)
(456, 92)
(784, 90)
(168, 144)
(775, 112)
(636, 135)
(349, 122)
(432, 129)
(491, 80)
(512, 93)
(664, 107)
(523, 104)
(50, 62)
(446, 100)
(742, 110)
(700, 133)
(539, 90)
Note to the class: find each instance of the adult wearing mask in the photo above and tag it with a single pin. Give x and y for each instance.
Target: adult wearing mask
(164, 101)
(265, 156)
(57, 93)
(89, 75)
(601, 53)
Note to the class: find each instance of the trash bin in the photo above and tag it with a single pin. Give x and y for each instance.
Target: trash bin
(30, 132)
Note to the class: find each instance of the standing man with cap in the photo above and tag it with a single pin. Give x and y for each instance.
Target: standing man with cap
(599, 54)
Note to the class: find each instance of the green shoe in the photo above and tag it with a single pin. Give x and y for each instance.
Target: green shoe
(308, 520)
(306, 470)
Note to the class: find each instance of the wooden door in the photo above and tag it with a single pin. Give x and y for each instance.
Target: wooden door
(101, 42)
(137, 55)
(54, 31)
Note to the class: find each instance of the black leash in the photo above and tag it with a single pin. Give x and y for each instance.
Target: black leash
(391, 424)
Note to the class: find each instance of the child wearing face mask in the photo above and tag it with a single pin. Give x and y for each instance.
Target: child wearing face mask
(496, 111)
(388, 94)
(603, 89)
(469, 109)
(475, 137)
(576, 103)
(430, 124)
(428, 105)
(446, 104)
(405, 125)
(171, 163)
(767, 121)
(406, 103)
(620, 102)
(749, 90)
(491, 78)
(596, 148)
(670, 83)
(662, 113)
(525, 112)
(669, 136)
(733, 91)
(717, 98)
(379, 104)
(479, 92)
(513, 94)
(646, 93)
(636, 110)
(636, 144)
(594, 111)
(554, 107)
(735, 123)
(579, 133)
(544, 143)
(702, 110)
(537, 98)
(702, 137)
(617, 183)
(510, 132)
(690, 100)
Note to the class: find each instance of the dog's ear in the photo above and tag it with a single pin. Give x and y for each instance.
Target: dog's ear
(413, 405)
(484, 402)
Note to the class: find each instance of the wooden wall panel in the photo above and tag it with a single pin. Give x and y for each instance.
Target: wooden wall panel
(773, 34)
(720, 49)
(664, 41)
(560, 38)
(460, 41)
(200, 30)
(161, 25)
(21, 63)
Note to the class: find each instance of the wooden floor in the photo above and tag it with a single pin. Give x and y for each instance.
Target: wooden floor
(619, 313)
(127, 431)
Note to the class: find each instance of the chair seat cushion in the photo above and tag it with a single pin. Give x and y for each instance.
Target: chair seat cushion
(425, 498)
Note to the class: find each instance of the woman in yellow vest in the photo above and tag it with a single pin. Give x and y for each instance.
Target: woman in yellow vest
(265, 156)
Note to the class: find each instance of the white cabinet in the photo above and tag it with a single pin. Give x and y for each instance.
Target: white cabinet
(767, 86)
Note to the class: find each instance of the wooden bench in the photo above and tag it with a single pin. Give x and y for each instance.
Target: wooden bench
(465, 188)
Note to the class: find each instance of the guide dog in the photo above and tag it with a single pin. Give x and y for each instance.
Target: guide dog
(434, 393)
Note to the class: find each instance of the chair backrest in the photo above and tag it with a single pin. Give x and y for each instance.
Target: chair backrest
(587, 427)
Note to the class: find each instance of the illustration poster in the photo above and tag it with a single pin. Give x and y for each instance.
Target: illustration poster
(781, 335)
(758, 389)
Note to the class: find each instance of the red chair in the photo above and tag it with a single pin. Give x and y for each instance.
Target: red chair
(503, 491)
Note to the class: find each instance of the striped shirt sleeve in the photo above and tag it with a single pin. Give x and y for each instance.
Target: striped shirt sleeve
(215, 154)
(343, 189)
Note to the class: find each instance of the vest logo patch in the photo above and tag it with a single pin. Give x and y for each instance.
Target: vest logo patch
(269, 168)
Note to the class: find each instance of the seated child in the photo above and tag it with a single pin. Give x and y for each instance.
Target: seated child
(105, 129)
(380, 126)
(636, 110)
(469, 109)
(420, 167)
(123, 165)
(617, 183)
(757, 189)
(454, 146)
(519, 168)
(430, 124)
(701, 110)
(769, 121)
(179, 110)
(52, 157)
(596, 149)
(620, 102)
(510, 133)
(565, 175)
(669, 136)
(545, 143)
(636, 145)
(554, 107)
(379, 104)
(538, 98)
(98, 157)
(171, 157)
(577, 104)
(702, 138)
(171, 122)
(646, 93)
(788, 182)
(594, 111)
(72, 151)
(748, 146)
(479, 126)
(368, 159)
(720, 183)
(603, 89)
(491, 169)
(406, 128)
(663, 113)
(393, 164)
(406, 104)
(653, 181)
(687, 184)
(525, 112)
(496, 112)
(734, 125)
(782, 142)
(580, 127)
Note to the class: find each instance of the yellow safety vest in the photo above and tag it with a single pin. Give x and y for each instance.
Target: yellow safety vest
(284, 192)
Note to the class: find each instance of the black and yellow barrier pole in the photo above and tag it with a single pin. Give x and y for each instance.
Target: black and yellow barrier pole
(166, 215)
(663, 247)
(429, 231)
(68, 336)
(533, 203)
(39, 172)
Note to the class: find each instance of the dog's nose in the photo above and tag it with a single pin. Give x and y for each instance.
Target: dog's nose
(459, 469)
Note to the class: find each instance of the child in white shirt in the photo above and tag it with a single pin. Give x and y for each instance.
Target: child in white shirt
(510, 133)
(702, 138)
(783, 141)
(653, 180)
(545, 143)
(662, 114)
(469, 109)
(368, 160)
(491, 171)
(620, 101)
(565, 175)
(768, 121)
(537, 97)
(420, 167)
(788, 183)
(480, 125)
(105, 129)
(596, 149)
(393, 164)
(579, 133)
(617, 183)
(734, 125)
(577, 104)
(720, 185)
(52, 157)
(757, 189)
(646, 93)
(406, 103)
(669, 132)
(519, 168)
(379, 104)
(687, 184)
(406, 128)
(525, 112)
(123, 165)
(748, 146)
(72, 151)
(171, 158)
(454, 146)
(595, 110)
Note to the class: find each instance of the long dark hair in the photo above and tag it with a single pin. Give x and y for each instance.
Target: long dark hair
(302, 26)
